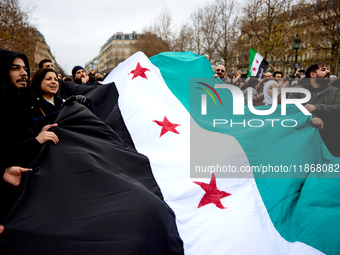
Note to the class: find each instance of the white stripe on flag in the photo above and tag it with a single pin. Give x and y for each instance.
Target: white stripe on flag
(256, 64)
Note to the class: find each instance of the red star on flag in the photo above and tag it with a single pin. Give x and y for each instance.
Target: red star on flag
(257, 61)
(254, 68)
(139, 71)
(167, 126)
(212, 193)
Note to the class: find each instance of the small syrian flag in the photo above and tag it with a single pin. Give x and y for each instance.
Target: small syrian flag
(257, 64)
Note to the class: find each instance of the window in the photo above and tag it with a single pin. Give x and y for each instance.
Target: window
(123, 37)
(123, 50)
(116, 50)
(123, 58)
(123, 44)
(116, 44)
(130, 37)
(130, 43)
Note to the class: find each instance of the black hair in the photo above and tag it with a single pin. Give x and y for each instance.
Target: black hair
(6, 59)
(277, 72)
(313, 68)
(252, 82)
(42, 62)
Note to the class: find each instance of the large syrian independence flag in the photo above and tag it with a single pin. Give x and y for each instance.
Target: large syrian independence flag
(257, 64)
(214, 215)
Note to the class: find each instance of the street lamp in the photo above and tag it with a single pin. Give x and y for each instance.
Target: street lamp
(297, 42)
(337, 64)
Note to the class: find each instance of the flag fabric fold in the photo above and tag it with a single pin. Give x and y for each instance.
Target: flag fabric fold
(218, 216)
(89, 194)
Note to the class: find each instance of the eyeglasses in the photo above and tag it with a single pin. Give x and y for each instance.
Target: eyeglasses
(220, 70)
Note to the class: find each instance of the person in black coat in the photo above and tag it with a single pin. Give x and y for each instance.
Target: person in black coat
(45, 85)
(20, 138)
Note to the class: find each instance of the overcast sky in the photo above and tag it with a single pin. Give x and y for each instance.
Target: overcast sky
(75, 30)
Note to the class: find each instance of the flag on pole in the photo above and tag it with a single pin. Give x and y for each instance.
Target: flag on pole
(257, 64)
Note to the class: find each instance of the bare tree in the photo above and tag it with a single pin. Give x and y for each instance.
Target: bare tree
(205, 30)
(150, 44)
(210, 30)
(322, 30)
(227, 32)
(270, 27)
(157, 37)
(184, 40)
(197, 33)
(163, 27)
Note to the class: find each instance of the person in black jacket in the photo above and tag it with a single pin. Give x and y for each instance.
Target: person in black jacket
(79, 75)
(81, 78)
(19, 136)
(45, 85)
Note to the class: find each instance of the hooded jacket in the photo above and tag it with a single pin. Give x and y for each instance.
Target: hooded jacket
(18, 129)
(326, 99)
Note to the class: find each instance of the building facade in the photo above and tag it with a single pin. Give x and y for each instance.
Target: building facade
(309, 21)
(42, 51)
(116, 49)
(92, 63)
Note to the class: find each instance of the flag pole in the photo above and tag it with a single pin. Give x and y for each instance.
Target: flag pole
(273, 67)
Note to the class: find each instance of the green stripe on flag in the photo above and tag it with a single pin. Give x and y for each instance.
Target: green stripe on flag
(251, 60)
(180, 64)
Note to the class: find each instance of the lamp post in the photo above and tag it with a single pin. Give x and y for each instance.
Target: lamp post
(337, 65)
(297, 42)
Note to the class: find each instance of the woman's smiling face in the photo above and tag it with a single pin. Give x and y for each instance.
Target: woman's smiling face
(50, 85)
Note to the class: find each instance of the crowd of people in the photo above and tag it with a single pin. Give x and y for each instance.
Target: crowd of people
(30, 106)
(28, 128)
(45, 83)
(324, 104)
